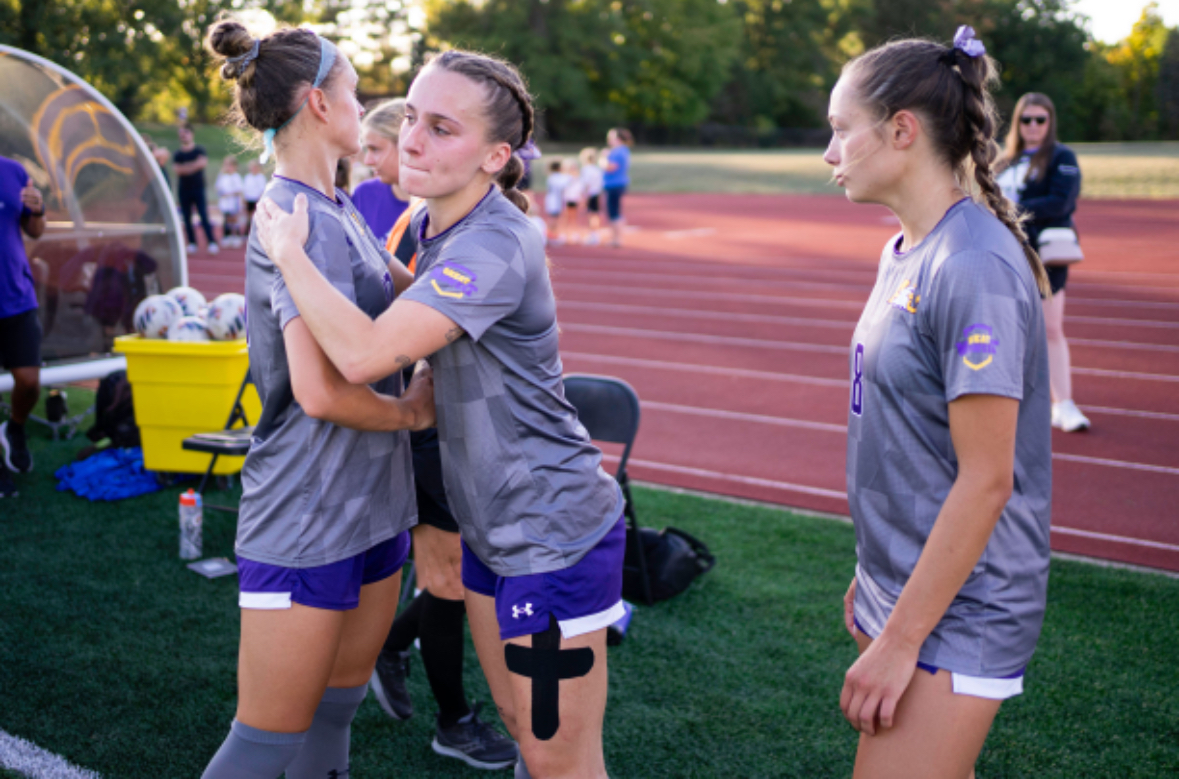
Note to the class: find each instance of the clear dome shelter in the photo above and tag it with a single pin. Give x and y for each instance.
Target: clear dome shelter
(112, 234)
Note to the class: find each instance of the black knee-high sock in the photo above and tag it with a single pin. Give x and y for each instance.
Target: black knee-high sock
(406, 627)
(442, 655)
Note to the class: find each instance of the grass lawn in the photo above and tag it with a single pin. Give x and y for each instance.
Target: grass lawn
(115, 656)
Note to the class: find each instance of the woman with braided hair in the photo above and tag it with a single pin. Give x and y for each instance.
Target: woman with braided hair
(948, 460)
(541, 522)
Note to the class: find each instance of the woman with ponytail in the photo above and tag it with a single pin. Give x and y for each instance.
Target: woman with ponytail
(541, 522)
(327, 487)
(948, 463)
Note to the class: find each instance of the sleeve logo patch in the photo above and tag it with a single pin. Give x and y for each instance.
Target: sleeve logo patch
(1069, 170)
(451, 280)
(906, 297)
(977, 346)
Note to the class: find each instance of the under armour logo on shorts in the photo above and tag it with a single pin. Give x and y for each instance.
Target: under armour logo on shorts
(517, 611)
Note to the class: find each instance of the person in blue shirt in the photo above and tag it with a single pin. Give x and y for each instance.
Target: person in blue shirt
(617, 179)
(380, 200)
(22, 210)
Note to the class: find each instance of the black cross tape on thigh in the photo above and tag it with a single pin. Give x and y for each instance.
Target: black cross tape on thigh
(546, 664)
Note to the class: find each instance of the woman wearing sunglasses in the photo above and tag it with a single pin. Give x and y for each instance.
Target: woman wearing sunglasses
(1043, 177)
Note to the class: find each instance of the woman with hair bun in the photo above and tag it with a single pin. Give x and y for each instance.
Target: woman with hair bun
(948, 460)
(327, 487)
(541, 522)
(1043, 177)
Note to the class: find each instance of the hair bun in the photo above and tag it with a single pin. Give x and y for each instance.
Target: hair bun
(229, 39)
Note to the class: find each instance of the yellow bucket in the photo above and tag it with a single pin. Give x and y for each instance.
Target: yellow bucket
(182, 388)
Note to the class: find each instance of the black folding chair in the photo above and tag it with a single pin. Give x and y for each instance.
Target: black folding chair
(609, 409)
(230, 441)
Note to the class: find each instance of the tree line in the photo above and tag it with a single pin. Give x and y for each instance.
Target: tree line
(744, 72)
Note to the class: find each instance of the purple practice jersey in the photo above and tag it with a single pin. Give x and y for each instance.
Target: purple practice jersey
(17, 292)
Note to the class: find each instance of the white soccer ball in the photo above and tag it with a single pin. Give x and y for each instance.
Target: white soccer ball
(226, 320)
(189, 299)
(155, 314)
(188, 328)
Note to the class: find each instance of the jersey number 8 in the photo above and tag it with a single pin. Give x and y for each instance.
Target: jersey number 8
(857, 387)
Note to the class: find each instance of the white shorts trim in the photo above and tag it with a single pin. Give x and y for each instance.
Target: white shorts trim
(264, 600)
(982, 687)
(571, 628)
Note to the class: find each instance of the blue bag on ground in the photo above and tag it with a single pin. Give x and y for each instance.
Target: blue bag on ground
(113, 474)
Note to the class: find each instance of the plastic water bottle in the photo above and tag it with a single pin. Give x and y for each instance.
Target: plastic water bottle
(190, 526)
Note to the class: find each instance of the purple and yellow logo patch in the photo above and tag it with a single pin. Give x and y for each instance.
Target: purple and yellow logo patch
(977, 346)
(906, 297)
(452, 280)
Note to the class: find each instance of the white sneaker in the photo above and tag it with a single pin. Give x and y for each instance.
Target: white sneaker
(192, 248)
(1070, 418)
(214, 248)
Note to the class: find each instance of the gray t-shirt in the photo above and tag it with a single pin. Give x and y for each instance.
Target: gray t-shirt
(523, 480)
(313, 492)
(958, 314)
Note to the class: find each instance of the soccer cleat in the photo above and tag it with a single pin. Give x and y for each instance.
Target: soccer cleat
(7, 485)
(16, 449)
(1070, 417)
(476, 743)
(388, 684)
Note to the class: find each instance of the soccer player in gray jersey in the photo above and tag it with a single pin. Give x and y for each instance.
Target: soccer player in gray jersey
(948, 457)
(327, 498)
(540, 519)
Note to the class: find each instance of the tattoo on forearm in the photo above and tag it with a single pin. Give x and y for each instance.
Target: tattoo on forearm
(403, 362)
(454, 334)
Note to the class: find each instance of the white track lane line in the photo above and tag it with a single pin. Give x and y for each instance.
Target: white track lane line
(828, 427)
(691, 294)
(1159, 304)
(27, 758)
(713, 279)
(724, 316)
(719, 340)
(1130, 412)
(1119, 345)
(732, 477)
(1072, 531)
(714, 370)
(1109, 322)
(1124, 374)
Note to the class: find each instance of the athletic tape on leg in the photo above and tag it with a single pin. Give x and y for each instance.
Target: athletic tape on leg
(546, 664)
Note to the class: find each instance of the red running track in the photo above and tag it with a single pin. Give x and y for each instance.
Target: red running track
(731, 316)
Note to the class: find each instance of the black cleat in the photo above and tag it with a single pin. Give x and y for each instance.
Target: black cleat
(16, 449)
(476, 743)
(7, 485)
(388, 684)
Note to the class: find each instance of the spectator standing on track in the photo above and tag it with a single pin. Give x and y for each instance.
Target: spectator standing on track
(949, 452)
(190, 162)
(554, 200)
(617, 179)
(1043, 177)
(573, 195)
(381, 200)
(22, 210)
(591, 180)
(252, 188)
(230, 188)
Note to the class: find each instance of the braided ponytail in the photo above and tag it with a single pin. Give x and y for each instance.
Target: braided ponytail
(978, 74)
(951, 90)
(511, 118)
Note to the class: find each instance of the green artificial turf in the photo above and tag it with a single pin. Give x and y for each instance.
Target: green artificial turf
(115, 656)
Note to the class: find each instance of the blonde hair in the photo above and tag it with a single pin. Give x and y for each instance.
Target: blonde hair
(386, 119)
(589, 156)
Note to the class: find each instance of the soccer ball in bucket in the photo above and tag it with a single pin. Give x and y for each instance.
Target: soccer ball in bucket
(189, 299)
(188, 328)
(155, 314)
(226, 317)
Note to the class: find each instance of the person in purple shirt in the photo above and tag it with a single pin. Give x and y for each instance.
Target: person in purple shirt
(21, 210)
(380, 200)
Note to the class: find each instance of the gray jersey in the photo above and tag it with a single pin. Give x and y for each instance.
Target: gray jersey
(959, 314)
(523, 480)
(313, 492)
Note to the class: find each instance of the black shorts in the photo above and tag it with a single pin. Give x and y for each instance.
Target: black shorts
(593, 204)
(20, 341)
(433, 509)
(1057, 277)
(251, 206)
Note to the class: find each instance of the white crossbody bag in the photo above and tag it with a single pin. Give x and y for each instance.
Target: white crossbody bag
(1058, 246)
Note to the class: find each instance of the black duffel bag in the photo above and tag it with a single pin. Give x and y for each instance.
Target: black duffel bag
(674, 559)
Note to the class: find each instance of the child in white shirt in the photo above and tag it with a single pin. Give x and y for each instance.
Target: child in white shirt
(255, 185)
(591, 179)
(554, 201)
(229, 200)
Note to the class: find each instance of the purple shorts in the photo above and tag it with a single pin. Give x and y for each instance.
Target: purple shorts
(335, 586)
(585, 597)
